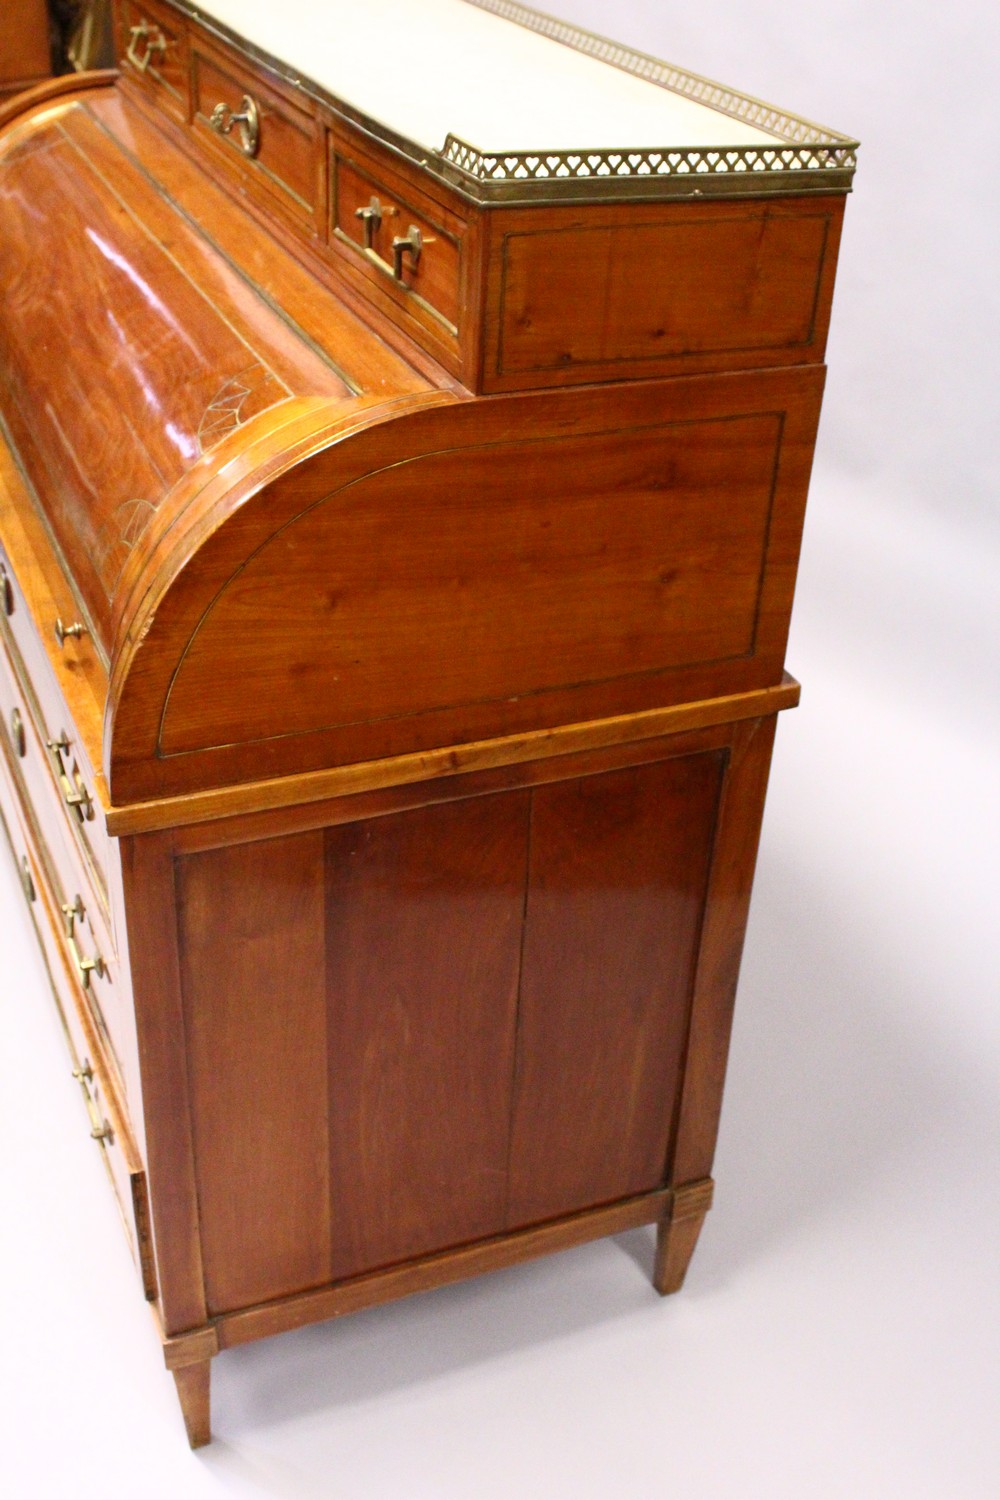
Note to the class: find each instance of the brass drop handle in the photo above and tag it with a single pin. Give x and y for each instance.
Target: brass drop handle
(371, 220)
(17, 733)
(100, 1129)
(74, 792)
(73, 912)
(6, 591)
(247, 117)
(155, 41)
(84, 966)
(411, 243)
(66, 632)
(27, 884)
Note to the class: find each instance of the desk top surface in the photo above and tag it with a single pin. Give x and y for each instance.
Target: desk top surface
(496, 75)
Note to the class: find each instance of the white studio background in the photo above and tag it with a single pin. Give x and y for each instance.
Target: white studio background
(838, 1336)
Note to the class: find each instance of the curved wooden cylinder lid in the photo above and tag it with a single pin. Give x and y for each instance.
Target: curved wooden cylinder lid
(130, 347)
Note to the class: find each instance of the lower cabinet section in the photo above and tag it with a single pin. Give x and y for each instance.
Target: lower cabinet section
(418, 1019)
(417, 1030)
(407, 1035)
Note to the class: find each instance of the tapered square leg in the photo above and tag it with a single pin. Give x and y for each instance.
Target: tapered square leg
(194, 1391)
(677, 1234)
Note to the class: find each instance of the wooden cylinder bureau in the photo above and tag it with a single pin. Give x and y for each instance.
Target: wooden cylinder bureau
(407, 415)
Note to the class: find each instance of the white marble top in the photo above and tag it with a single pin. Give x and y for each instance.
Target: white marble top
(427, 68)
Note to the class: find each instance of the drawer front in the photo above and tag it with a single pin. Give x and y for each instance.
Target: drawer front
(41, 786)
(81, 911)
(16, 826)
(263, 138)
(88, 1061)
(28, 684)
(105, 1116)
(401, 239)
(153, 48)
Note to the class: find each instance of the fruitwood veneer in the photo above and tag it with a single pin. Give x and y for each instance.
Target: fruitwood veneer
(388, 812)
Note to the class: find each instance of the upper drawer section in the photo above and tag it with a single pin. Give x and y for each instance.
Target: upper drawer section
(709, 244)
(265, 139)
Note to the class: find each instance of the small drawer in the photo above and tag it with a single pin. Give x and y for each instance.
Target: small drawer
(402, 239)
(85, 930)
(154, 49)
(34, 768)
(269, 144)
(16, 827)
(27, 684)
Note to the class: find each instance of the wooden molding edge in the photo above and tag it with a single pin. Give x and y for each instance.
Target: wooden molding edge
(55, 88)
(404, 770)
(664, 1205)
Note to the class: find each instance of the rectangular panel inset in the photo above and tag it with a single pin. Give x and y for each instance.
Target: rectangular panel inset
(480, 575)
(252, 954)
(619, 864)
(423, 929)
(605, 294)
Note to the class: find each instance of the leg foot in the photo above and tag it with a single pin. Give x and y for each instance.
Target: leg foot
(193, 1389)
(677, 1234)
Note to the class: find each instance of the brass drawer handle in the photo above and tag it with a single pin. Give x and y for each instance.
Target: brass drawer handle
(412, 243)
(84, 966)
(6, 591)
(27, 884)
(100, 1128)
(371, 220)
(66, 632)
(155, 41)
(75, 794)
(17, 733)
(247, 118)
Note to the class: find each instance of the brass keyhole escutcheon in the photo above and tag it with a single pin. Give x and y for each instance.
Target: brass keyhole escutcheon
(247, 118)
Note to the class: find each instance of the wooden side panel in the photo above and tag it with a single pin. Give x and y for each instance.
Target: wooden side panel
(150, 897)
(252, 960)
(483, 574)
(420, 1027)
(424, 927)
(726, 916)
(471, 570)
(601, 293)
(618, 871)
(24, 45)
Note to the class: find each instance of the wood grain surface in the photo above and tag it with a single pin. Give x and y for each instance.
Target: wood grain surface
(455, 571)
(418, 1029)
(427, 639)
